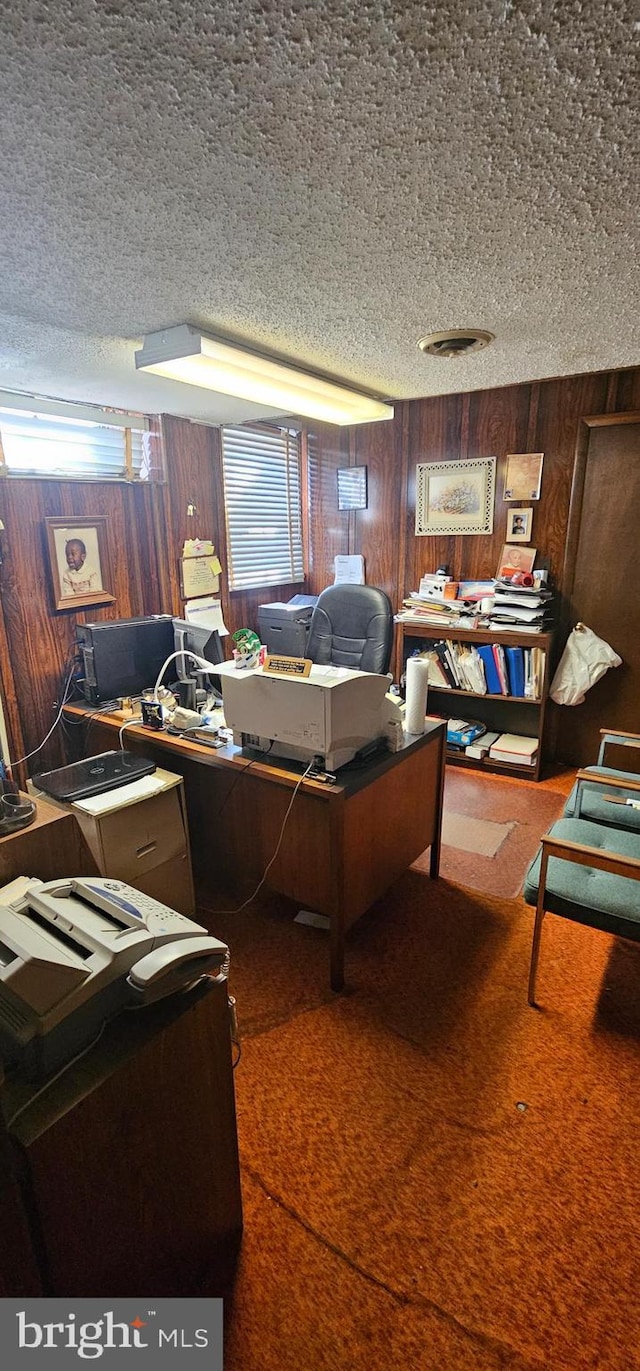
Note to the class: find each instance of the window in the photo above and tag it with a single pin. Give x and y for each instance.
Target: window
(52, 438)
(262, 493)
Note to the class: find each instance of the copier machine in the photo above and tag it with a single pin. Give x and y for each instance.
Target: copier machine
(284, 628)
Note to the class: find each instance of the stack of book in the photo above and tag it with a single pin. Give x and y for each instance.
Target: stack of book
(489, 668)
(454, 666)
(522, 609)
(515, 671)
(515, 748)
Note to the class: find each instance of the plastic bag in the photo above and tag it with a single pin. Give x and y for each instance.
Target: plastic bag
(584, 660)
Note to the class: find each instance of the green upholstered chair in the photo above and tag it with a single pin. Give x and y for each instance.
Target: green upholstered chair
(609, 803)
(587, 872)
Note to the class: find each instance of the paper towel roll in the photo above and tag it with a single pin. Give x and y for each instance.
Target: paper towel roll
(417, 677)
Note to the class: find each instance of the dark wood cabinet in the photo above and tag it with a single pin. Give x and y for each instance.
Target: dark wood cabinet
(123, 1173)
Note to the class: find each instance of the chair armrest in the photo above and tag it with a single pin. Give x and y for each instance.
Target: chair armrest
(613, 782)
(618, 737)
(583, 855)
(608, 782)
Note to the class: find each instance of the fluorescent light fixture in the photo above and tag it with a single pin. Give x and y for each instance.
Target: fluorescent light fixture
(185, 354)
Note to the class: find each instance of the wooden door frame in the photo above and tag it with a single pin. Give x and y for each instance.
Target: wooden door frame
(585, 425)
(583, 437)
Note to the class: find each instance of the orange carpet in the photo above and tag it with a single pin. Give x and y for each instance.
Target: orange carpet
(528, 810)
(435, 1175)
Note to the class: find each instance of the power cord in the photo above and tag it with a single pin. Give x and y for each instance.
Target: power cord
(128, 724)
(247, 766)
(28, 755)
(51, 1079)
(277, 847)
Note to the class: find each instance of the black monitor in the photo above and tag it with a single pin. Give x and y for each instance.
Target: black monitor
(123, 656)
(204, 642)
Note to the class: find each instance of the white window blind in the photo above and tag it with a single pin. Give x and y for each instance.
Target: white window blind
(263, 506)
(50, 438)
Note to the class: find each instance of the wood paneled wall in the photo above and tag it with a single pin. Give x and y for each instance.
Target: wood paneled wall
(35, 641)
(539, 417)
(147, 524)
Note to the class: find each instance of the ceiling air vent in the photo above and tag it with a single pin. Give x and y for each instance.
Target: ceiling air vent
(454, 342)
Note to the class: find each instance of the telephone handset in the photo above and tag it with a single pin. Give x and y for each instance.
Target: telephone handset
(175, 966)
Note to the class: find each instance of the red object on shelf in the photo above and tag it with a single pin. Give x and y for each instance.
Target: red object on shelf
(520, 578)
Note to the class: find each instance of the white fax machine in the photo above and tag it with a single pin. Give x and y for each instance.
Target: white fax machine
(75, 951)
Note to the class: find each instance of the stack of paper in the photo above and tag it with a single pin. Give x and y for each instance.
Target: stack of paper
(481, 746)
(517, 606)
(433, 609)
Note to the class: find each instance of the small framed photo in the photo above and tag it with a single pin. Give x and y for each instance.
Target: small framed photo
(523, 477)
(79, 563)
(455, 497)
(352, 487)
(514, 559)
(519, 523)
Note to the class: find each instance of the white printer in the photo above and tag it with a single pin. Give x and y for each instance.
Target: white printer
(329, 714)
(75, 951)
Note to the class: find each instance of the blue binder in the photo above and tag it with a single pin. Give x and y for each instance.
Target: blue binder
(515, 667)
(485, 654)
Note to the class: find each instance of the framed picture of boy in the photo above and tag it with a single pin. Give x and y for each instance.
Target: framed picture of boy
(519, 523)
(79, 562)
(514, 559)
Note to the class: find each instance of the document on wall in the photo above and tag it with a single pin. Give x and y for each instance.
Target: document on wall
(206, 612)
(349, 570)
(199, 568)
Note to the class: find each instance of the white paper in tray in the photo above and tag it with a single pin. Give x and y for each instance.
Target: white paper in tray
(122, 795)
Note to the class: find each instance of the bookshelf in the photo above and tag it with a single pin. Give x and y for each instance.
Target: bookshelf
(499, 713)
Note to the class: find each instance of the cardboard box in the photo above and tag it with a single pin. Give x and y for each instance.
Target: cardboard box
(143, 841)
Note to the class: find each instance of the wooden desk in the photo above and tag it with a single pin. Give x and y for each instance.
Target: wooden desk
(343, 845)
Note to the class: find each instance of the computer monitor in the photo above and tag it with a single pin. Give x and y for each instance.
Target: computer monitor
(331, 714)
(123, 656)
(204, 642)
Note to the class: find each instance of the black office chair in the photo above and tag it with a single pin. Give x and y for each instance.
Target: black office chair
(352, 626)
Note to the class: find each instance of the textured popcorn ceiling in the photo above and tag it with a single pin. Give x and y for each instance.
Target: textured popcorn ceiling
(328, 181)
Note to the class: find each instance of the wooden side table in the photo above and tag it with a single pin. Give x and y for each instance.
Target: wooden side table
(52, 846)
(128, 1162)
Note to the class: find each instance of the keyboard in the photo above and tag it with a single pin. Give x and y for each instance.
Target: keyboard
(93, 775)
